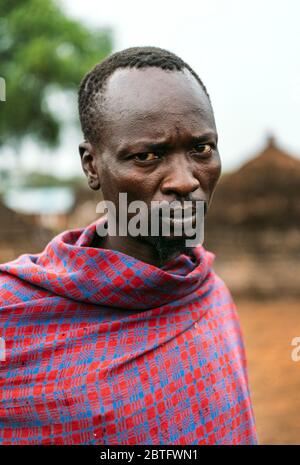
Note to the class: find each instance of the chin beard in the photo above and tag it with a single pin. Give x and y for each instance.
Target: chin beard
(167, 248)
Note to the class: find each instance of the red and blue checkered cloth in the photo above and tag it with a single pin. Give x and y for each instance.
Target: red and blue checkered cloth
(102, 348)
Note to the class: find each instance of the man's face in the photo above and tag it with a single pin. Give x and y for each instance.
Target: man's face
(158, 138)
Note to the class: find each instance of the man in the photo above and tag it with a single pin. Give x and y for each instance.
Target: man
(124, 338)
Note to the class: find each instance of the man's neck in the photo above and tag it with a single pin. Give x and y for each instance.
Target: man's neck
(133, 247)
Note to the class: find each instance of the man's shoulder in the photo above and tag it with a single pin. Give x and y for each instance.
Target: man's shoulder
(13, 290)
(222, 293)
(221, 284)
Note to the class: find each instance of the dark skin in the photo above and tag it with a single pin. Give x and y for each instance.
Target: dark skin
(158, 142)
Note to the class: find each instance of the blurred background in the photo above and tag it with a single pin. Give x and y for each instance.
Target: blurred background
(248, 55)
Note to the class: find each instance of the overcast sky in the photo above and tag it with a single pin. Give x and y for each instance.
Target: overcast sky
(246, 52)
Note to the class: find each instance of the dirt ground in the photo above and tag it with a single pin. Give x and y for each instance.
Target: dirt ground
(269, 327)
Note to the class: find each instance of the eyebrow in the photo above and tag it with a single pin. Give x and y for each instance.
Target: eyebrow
(205, 137)
(148, 144)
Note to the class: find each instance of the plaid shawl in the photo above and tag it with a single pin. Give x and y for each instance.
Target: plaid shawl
(102, 348)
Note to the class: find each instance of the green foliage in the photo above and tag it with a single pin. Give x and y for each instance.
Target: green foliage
(41, 49)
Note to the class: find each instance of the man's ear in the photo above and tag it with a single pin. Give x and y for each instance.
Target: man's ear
(88, 162)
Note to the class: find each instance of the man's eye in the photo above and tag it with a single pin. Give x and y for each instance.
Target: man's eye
(204, 149)
(146, 156)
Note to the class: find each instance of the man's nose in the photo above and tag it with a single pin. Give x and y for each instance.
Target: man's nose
(179, 179)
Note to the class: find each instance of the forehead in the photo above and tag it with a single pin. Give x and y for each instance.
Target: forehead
(155, 102)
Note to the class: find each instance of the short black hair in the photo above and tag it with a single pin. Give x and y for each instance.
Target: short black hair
(135, 57)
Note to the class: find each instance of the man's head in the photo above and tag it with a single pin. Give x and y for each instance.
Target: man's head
(149, 130)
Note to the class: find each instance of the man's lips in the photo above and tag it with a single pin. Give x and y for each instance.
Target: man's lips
(184, 221)
(183, 213)
(186, 217)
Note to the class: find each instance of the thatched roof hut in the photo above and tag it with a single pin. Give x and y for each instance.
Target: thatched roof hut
(19, 235)
(83, 211)
(264, 192)
(253, 225)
